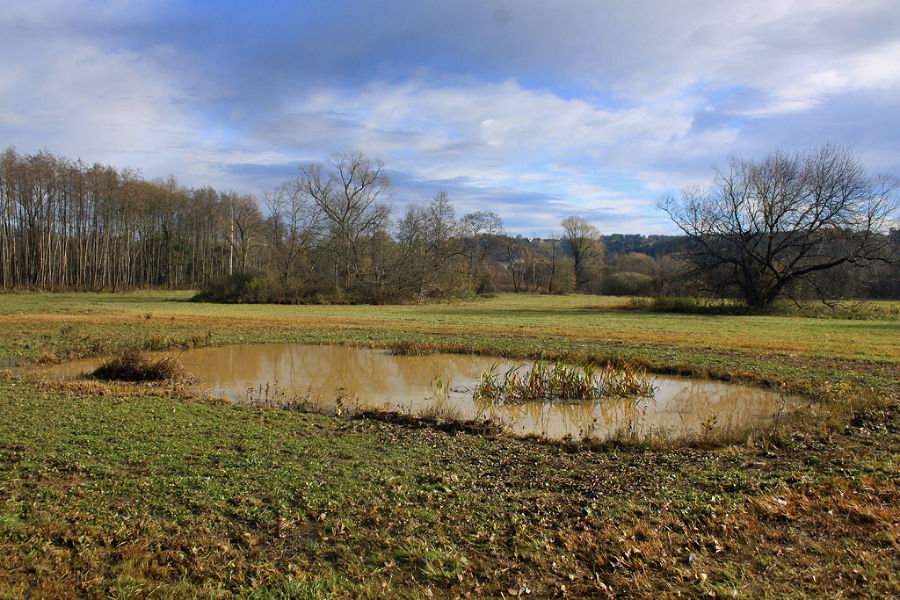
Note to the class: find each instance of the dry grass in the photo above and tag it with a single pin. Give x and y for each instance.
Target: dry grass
(559, 382)
(132, 365)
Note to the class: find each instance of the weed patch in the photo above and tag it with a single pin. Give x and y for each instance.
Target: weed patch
(559, 382)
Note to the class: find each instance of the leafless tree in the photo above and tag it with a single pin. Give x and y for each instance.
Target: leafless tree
(428, 239)
(560, 274)
(293, 226)
(349, 190)
(477, 231)
(586, 247)
(67, 225)
(765, 225)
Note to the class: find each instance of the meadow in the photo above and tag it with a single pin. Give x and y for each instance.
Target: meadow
(114, 490)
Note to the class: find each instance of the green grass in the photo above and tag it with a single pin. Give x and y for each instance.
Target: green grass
(593, 318)
(120, 490)
(123, 495)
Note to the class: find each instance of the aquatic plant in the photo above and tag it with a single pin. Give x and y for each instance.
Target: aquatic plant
(557, 381)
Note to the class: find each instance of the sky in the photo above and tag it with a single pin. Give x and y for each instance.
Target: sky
(536, 110)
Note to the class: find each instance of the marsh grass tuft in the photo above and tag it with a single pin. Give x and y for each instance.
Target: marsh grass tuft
(132, 365)
(559, 382)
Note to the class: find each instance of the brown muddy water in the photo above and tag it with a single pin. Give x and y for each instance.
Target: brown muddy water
(443, 384)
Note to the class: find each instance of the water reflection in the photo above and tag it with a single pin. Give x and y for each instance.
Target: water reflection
(443, 383)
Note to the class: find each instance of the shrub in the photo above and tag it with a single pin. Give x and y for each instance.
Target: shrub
(237, 288)
(628, 284)
(259, 288)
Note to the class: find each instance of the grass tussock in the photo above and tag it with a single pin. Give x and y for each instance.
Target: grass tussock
(559, 382)
(132, 365)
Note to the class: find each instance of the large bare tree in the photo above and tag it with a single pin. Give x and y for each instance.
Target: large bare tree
(766, 224)
(349, 190)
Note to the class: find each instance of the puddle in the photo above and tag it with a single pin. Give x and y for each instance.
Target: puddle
(366, 377)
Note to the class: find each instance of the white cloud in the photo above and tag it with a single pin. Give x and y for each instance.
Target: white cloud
(85, 101)
(496, 123)
(570, 104)
(876, 68)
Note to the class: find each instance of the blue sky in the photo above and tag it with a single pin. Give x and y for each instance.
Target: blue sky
(536, 110)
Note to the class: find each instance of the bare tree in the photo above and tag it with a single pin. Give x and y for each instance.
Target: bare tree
(293, 226)
(516, 255)
(245, 230)
(584, 242)
(478, 230)
(429, 247)
(348, 190)
(560, 276)
(764, 225)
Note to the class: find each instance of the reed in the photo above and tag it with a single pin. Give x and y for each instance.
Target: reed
(559, 382)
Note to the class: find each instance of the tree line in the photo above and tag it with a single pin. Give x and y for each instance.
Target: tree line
(327, 234)
(330, 235)
(68, 225)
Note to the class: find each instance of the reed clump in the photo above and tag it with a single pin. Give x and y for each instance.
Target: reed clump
(132, 365)
(559, 382)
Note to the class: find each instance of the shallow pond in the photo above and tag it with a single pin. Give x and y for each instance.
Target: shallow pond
(443, 384)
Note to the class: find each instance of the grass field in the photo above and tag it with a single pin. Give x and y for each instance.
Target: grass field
(124, 491)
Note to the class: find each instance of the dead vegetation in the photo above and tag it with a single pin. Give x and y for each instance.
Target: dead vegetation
(559, 382)
(132, 365)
